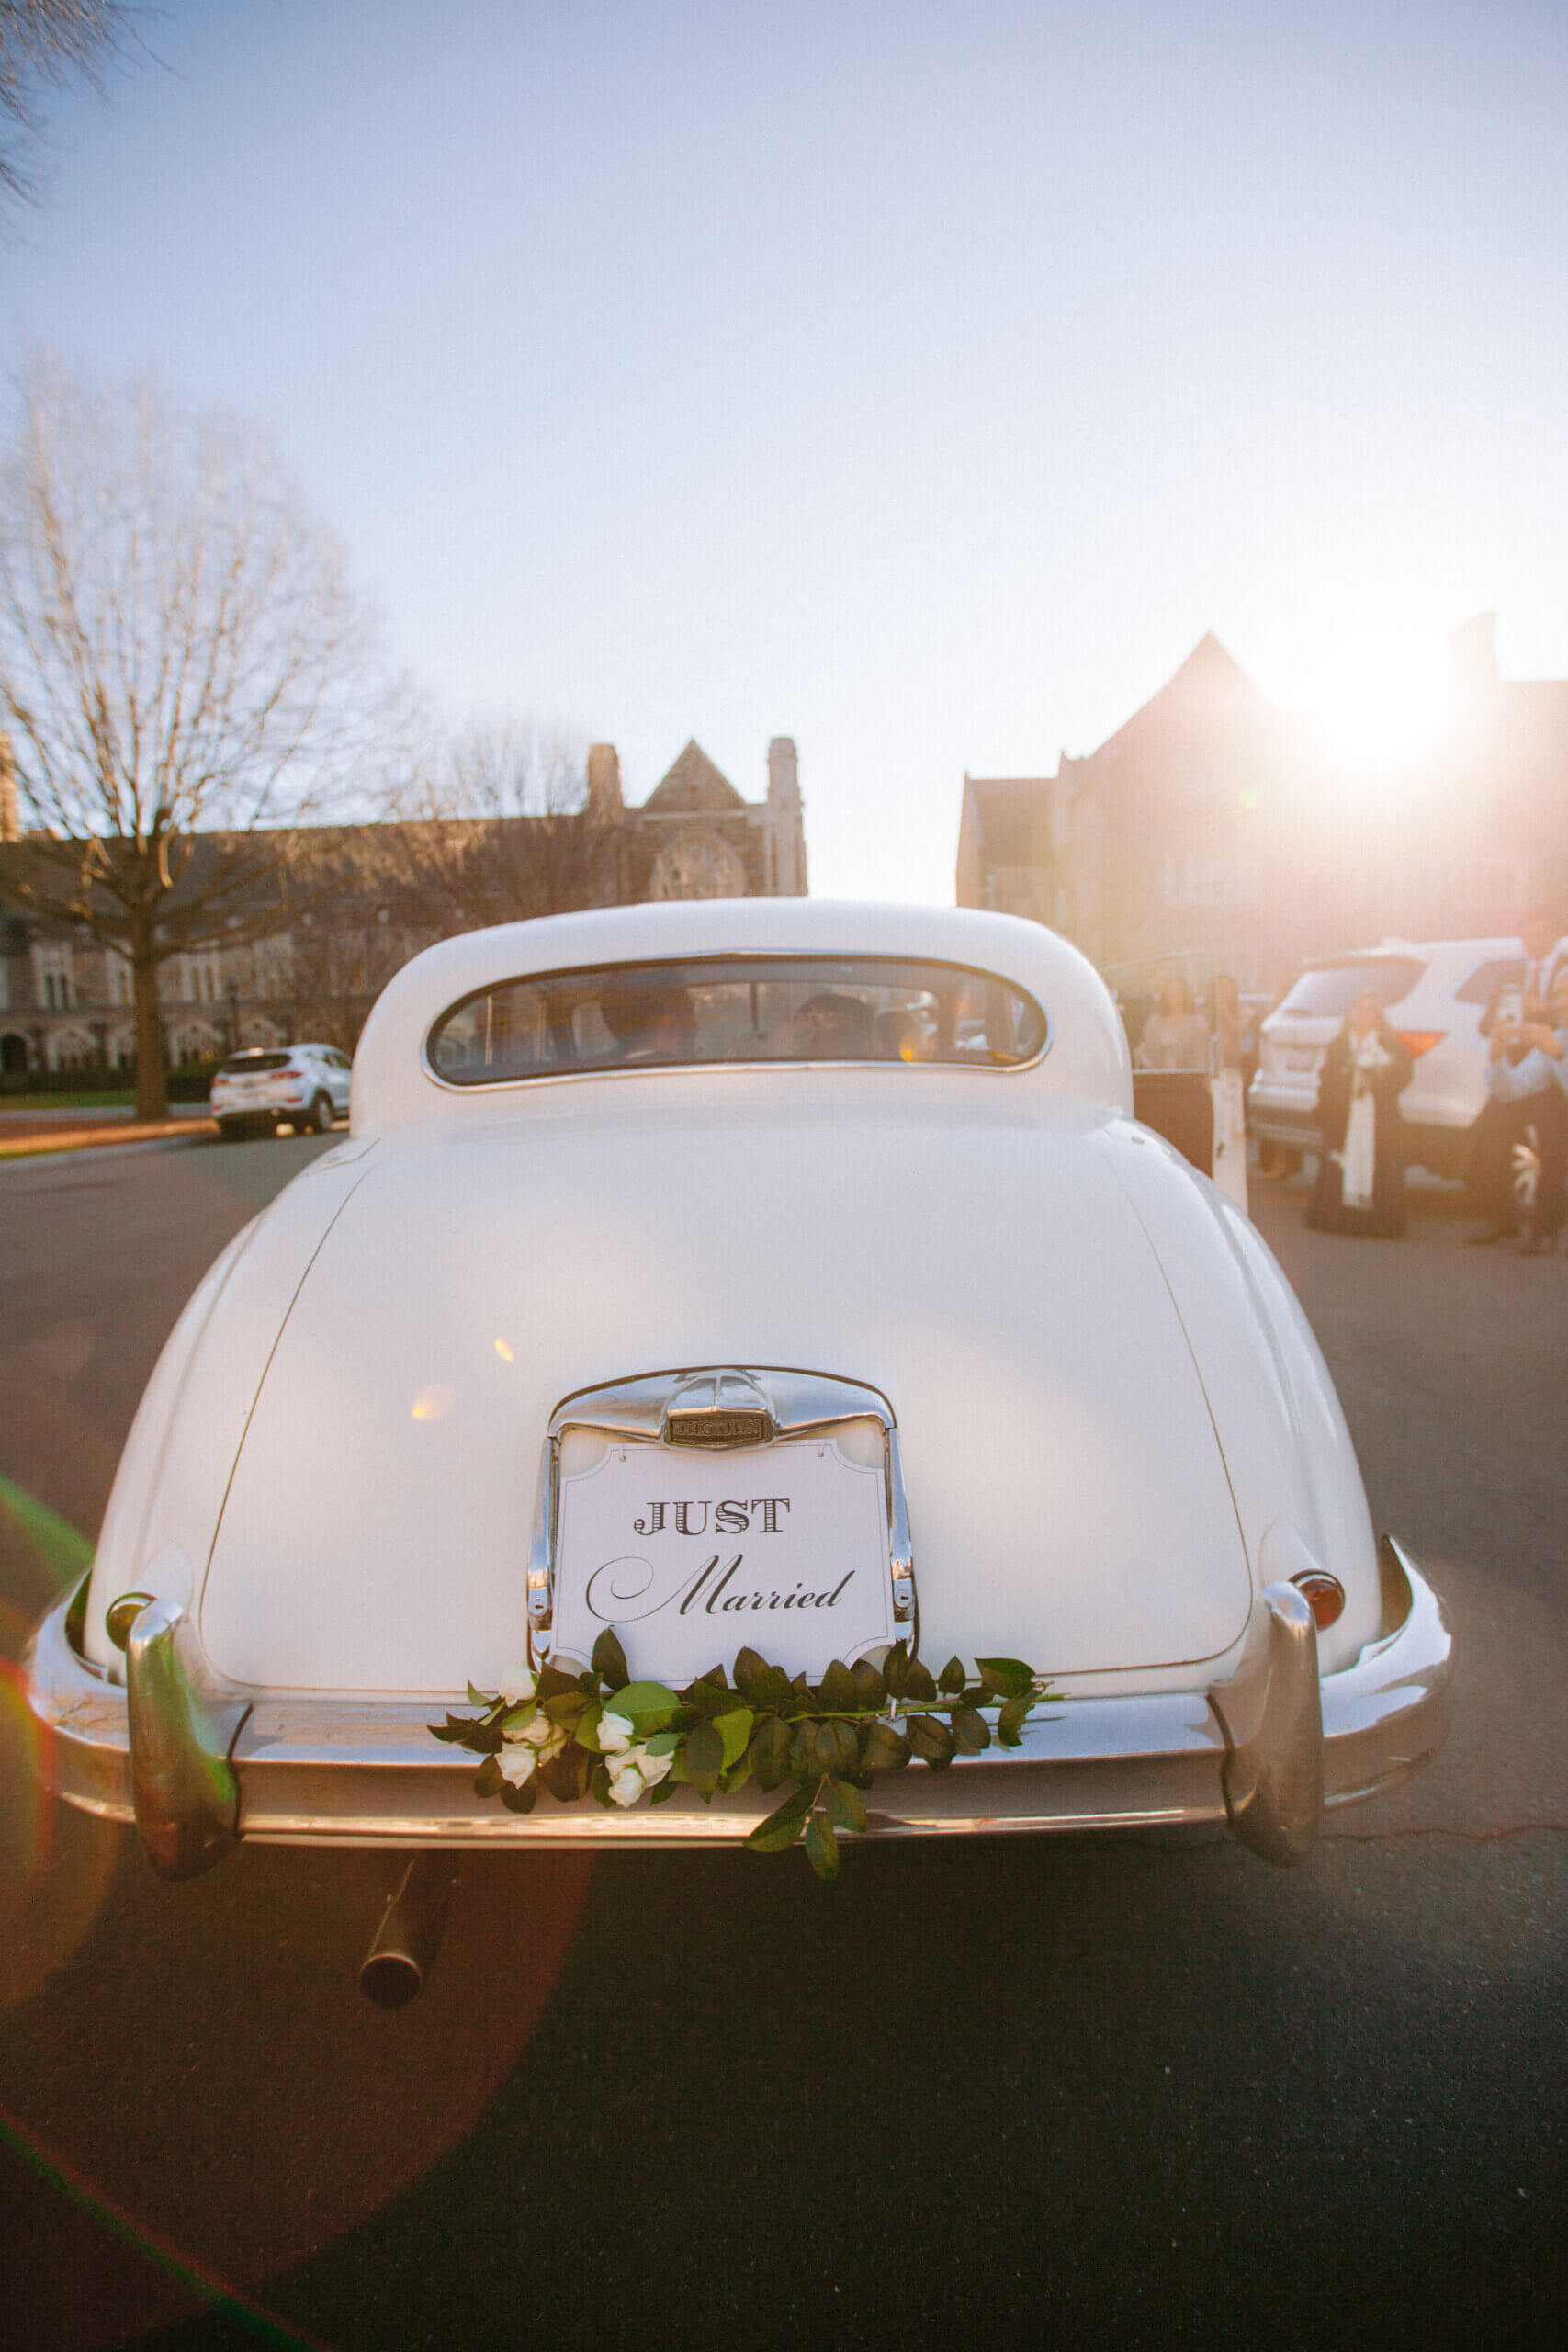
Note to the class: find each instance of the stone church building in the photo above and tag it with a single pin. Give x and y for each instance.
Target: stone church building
(1211, 823)
(379, 895)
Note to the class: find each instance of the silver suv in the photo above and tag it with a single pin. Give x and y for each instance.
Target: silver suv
(272, 1086)
(1434, 992)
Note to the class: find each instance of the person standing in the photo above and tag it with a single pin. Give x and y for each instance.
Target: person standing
(1519, 1003)
(1527, 1077)
(1177, 1036)
(1361, 1175)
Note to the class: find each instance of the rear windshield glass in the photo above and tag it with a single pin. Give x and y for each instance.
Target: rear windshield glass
(731, 1009)
(1330, 989)
(242, 1065)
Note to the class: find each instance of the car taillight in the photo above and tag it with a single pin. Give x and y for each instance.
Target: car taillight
(1324, 1595)
(1420, 1041)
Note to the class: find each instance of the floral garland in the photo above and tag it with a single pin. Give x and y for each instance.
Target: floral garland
(600, 1734)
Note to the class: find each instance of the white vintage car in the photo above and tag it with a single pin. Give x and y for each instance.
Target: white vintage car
(755, 1277)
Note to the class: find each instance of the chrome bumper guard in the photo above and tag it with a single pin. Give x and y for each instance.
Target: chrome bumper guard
(196, 1768)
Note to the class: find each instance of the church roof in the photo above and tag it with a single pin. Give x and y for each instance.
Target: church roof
(692, 783)
(1210, 686)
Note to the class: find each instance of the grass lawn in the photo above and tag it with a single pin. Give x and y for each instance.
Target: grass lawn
(98, 1099)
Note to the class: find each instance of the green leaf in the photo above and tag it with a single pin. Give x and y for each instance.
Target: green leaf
(735, 1730)
(521, 1800)
(769, 1753)
(884, 1749)
(566, 1775)
(664, 1792)
(783, 1827)
(703, 1757)
(610, 1659)
(649, 1706)
(484, 1739)
(519, 1718)
(970, 1730)
(838, 1747)
(770, 1688)
(488, 1781)
(897, 1671)
(480, 1697)
(917, 1683)
(931, 1740)
(837, 1688)
(565, 1707)
(1013, 1718)
(822, 1847)
(662, 1743)
(586, 1733)
(871, 1684)
(951, 1681)
(1009, 1676)
(551, 1682)
(710, 1698)
(846, 1805)
(453, 1729)
(714, 1676)
(747, 1662)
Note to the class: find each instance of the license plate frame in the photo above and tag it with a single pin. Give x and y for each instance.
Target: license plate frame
(796, 1547)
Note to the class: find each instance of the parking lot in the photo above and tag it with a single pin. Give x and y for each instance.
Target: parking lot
(1137, 2090)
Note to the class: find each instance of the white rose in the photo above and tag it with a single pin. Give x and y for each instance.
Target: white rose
(517, 1684)
(614, 1732)
(625, 1782)
(517, 1765)
(542, 1732)
(652, 1767)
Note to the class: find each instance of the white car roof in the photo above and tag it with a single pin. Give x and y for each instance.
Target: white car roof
(1086, 1055)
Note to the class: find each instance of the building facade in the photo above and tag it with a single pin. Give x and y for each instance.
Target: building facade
(66, 1003)
(1211, 823)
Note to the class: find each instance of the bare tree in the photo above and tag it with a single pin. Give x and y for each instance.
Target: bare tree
(46, 45)
(188, 677)
(505, 828)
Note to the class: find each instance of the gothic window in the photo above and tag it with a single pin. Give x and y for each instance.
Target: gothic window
(54, 976)
(697, 865)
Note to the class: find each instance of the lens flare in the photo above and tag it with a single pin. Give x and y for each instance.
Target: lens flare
(433, 1402)
(506, 1352)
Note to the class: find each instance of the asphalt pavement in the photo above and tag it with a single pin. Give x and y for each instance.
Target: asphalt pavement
(1134, 2091)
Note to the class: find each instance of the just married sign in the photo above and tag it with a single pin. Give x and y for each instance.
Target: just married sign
(783, 1548)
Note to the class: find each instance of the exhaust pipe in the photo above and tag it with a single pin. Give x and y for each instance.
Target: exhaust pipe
(403, 1949)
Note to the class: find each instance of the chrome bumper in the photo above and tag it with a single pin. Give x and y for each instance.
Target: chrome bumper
(1264, 1752)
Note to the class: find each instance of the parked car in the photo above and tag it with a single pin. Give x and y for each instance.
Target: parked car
(289, 1086)
(653, 1295)
(1436, 993)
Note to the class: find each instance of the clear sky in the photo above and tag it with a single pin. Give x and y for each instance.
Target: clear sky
(919, 380)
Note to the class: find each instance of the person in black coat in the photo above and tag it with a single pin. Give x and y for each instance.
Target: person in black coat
(1360, 1174)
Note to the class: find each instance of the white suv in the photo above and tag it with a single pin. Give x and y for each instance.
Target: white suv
(297, 1086)
(1435, 993)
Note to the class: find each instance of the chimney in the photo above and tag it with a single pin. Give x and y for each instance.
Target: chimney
(785, 824)
(10, 801)
(604, 782)
(784, 777)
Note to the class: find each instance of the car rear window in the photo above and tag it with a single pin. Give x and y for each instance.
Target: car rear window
(737, 1009)
(1329, 991)
(245, 1065)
